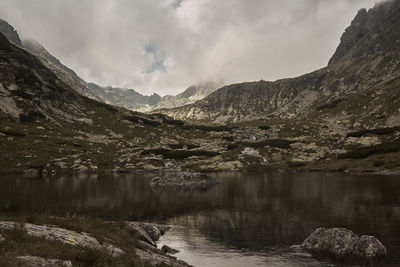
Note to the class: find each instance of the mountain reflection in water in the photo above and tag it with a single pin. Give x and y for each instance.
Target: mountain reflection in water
(248, 219)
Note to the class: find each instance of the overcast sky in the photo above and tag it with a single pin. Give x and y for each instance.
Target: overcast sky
(164, 46)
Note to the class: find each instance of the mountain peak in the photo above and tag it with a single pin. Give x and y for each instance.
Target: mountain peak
(371, 32)
(9, 32)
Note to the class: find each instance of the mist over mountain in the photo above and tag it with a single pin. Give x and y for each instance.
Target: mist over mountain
(366, 59)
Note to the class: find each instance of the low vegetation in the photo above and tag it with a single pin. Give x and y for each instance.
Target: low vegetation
(378, 131)
(19, 243)
(363, 152)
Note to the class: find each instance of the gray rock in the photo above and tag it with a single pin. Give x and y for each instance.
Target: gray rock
(137, 228)
(2, 239)
(169, 250)
(183, 181)
(156, 259)
(33, 261)
(344, 245)
(62, 235)
(31, 173)
(155, 231)
(148, 232)
(336, 242)
(78, 168)
(370, 248)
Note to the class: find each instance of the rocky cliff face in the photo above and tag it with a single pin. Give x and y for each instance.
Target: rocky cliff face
(365, 62)
(30, 91)
(9, 32)
(63, 72)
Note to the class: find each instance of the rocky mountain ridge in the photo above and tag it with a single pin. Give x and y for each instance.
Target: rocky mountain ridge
(366, 59)
(130, 99)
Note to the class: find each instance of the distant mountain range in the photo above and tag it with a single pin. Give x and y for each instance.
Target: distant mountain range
(130, 99)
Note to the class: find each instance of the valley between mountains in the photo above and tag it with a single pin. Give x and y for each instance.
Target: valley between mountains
(344, 117)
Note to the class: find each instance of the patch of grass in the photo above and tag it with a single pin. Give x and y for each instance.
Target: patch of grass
(13, 133)
(363, 152)
(386, 60)
(377, 131)
(19, 243)
(296, 164)
(330, 105)
(207, 128)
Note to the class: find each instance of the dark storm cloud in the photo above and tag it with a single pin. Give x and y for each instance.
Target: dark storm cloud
(164, 46)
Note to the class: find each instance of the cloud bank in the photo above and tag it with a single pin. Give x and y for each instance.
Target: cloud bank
(164, 46)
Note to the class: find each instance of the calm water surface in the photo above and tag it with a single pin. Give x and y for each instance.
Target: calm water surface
(247, 220)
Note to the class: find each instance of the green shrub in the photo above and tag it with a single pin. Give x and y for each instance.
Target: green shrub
(377, 131)
(296, 164)
(157, 151)
(182, 154)
(136, 119)
(174, 122)
(13, 133)
(205, 128)
(265, 127)
(378, 163)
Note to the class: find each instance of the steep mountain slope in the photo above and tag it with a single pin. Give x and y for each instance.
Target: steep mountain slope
(364, 63)
(63, 72)
(9, 32)
(67, 75)
(47, 127)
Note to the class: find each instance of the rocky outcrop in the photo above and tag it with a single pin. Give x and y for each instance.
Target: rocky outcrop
(9, 32)
(182, 181)
(34, 261)
(62, 235)
(344, 245)
(147, 232)
(168, 250)
(157, 259)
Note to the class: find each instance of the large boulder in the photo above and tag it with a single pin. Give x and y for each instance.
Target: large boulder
(344, 245)
(337, 242)
(370, 248)
(183, 181)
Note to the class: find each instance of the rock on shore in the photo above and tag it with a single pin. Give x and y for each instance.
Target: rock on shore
(344, 245)
(183, 181)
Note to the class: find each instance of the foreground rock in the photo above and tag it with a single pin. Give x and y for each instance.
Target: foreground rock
(344, 245)
(169, 250)
(62, 235)
(182, 181)
(147, 232)
(33, 261)
(156, 259)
